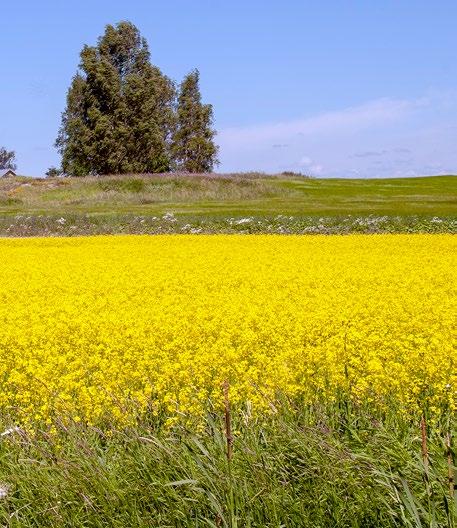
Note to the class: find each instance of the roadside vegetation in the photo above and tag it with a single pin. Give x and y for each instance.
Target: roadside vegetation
(332, 467)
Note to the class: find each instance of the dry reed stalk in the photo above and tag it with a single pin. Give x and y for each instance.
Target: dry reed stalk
(424, 443)
(450, 466)
(228, 421)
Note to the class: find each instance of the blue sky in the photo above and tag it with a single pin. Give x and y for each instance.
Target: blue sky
(327, 88)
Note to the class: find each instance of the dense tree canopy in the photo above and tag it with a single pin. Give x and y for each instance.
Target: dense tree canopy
(7, 159)
(121, 112)
(193, 142)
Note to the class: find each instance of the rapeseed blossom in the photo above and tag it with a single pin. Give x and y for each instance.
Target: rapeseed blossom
(107, 330)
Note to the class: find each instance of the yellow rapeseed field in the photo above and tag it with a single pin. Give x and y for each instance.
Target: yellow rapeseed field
(104, 330)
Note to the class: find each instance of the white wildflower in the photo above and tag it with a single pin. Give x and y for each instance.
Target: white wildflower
(11, 431)
(4, 490)
(244, 221)
(170, 217)
(61, 221)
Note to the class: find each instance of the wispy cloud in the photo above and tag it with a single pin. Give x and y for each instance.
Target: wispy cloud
(352, 119)
(370, 154)
(310, 167)
(350, 141)
(400, 150)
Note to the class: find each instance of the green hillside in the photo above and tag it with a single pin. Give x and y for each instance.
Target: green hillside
(216, 200)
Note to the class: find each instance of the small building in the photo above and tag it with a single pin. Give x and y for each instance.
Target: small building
(7, 173)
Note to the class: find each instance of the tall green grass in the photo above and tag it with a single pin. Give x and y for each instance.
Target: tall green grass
(302, 466)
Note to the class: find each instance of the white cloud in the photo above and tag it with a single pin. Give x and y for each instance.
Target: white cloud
(308, 165)
(316, 170)
(305, 161)
(352, 140)
(351, 119)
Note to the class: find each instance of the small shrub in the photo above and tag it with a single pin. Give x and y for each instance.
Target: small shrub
(9, 201)
(293, 174)
(53, 172)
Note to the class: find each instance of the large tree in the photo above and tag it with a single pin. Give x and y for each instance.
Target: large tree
(119, 116)
(7, 159)
(193, 145)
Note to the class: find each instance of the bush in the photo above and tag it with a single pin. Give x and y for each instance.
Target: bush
(293, 174)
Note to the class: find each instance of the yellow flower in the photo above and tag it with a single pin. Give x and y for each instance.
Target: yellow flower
(107, 330)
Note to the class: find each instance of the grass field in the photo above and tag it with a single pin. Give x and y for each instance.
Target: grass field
(235, 381)
(214, 203)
